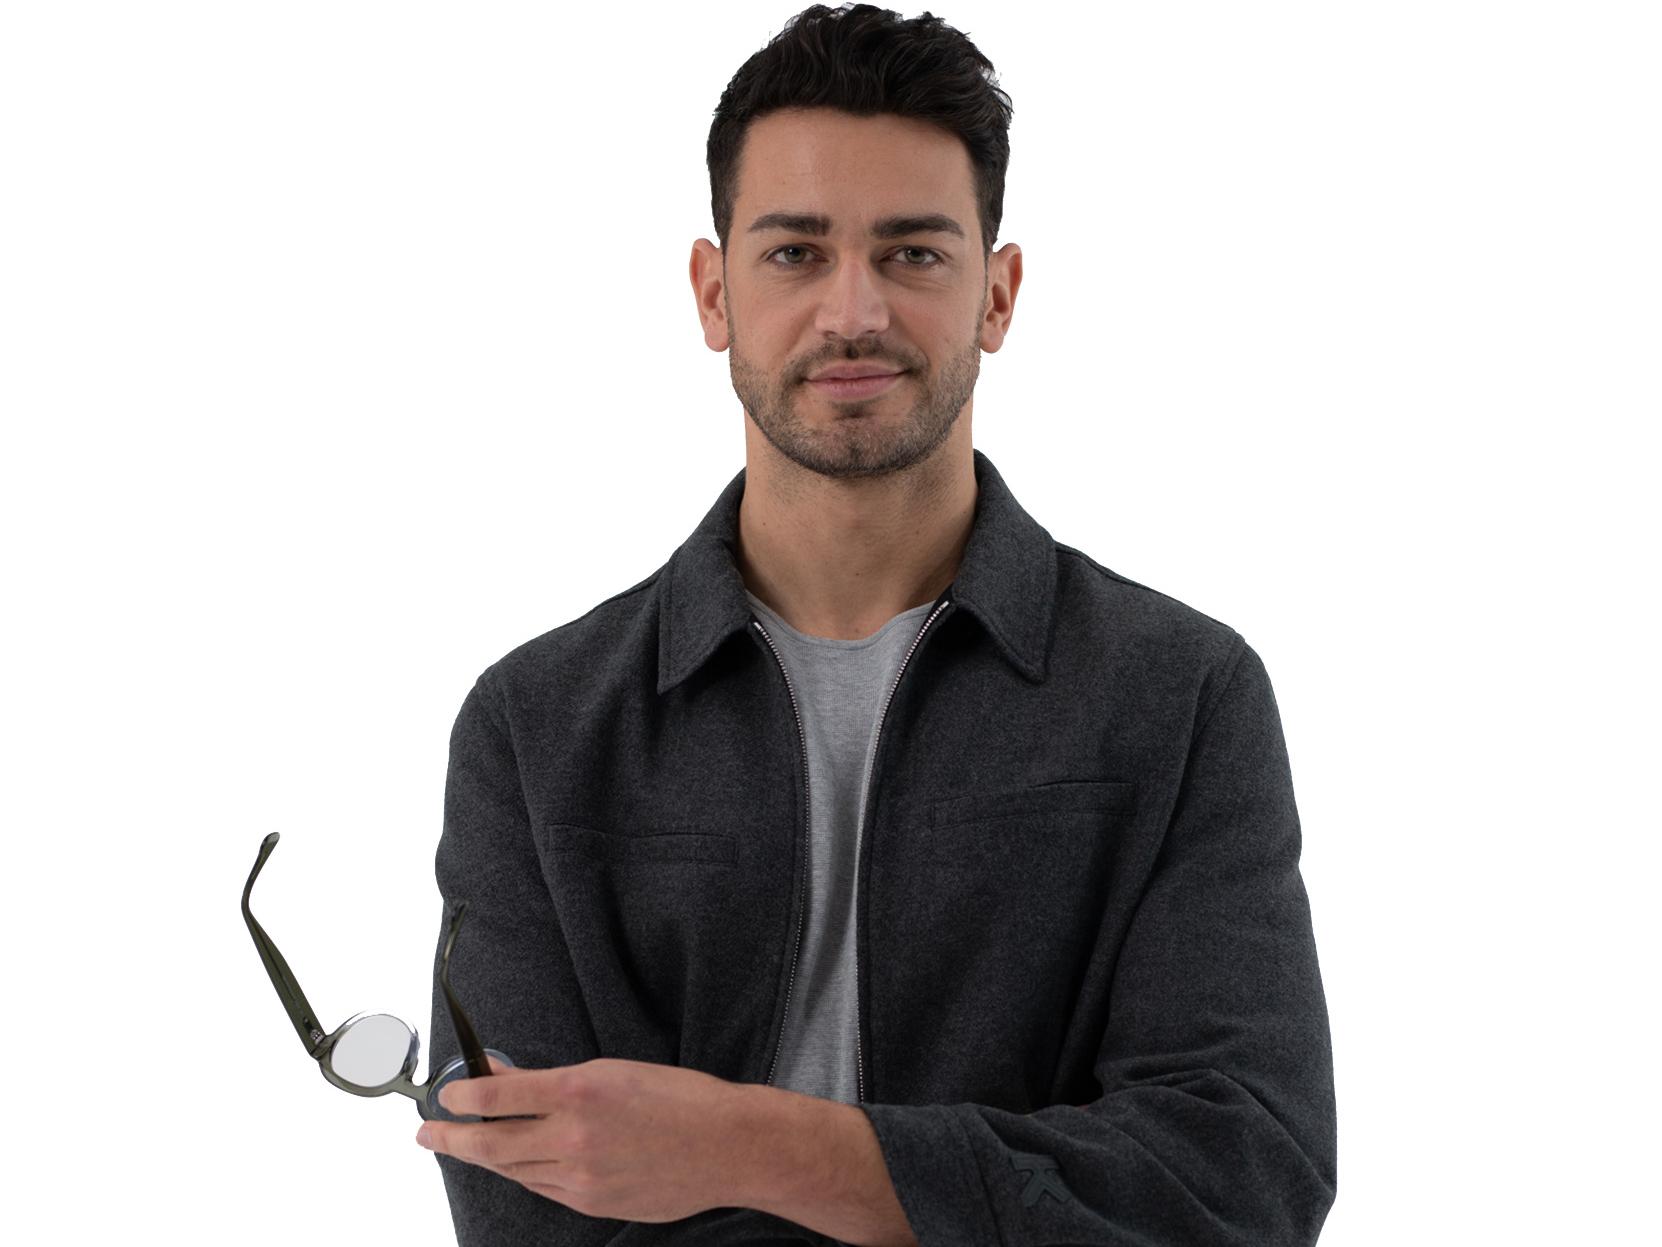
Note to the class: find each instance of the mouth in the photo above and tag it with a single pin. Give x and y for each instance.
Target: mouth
(855, 387)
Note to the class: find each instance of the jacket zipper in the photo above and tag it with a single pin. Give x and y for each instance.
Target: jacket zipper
(871, 789)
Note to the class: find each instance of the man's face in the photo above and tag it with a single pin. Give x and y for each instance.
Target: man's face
(798, 300)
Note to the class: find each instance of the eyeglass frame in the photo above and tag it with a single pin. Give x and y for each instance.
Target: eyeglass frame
(320, 1046)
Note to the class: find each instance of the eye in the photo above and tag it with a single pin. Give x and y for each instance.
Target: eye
(935, 261)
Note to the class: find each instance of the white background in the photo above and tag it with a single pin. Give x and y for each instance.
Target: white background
(345, 346)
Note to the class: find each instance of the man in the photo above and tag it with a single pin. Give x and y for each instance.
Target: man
(878, 870)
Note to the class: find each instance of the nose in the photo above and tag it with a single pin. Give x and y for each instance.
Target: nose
(852, 303)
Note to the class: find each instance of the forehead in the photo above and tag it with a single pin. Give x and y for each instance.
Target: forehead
(852, 169)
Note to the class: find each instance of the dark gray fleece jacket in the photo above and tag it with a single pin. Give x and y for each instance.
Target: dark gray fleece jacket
(1086, 1007)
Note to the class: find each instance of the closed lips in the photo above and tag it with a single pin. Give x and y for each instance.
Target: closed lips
(855, 376)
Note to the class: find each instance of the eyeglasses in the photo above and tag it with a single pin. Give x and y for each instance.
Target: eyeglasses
(374, 1053)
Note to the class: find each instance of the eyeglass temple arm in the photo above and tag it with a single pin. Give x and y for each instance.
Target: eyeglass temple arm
(472, 1052)
(282, 978)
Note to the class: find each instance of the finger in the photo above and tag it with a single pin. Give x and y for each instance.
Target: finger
(494, 1145)
(462, 1095)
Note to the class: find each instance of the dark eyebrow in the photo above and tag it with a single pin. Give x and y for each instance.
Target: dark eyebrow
(888, 227)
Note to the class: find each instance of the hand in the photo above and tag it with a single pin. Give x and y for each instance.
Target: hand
(610, 1138)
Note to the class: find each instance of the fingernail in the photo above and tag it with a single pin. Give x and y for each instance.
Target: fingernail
(424, 1137)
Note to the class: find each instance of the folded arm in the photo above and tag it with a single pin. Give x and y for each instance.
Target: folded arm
(1216, 1122)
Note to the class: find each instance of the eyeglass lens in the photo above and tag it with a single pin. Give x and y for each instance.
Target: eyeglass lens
(372, 1051)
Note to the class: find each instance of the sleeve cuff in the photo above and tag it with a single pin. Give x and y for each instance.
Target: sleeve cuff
(936, 1178)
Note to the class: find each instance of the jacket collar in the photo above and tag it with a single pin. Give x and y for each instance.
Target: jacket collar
(1006, 579)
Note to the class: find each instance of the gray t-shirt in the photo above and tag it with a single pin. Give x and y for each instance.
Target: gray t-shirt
(840, 688)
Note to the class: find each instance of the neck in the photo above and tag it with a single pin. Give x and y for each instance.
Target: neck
(840, 558)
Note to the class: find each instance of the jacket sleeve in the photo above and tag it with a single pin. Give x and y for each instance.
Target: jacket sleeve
(509, 968)
(512, 972)
(1216, 1124)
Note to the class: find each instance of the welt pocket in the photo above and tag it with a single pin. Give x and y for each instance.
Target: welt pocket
(1053, 799)
(660, 846)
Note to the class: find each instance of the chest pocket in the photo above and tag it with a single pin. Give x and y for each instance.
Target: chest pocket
(655, 918)
(667, 846)
(1062, 797)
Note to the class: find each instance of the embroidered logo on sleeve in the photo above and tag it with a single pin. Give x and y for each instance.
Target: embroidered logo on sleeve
(1042, 1180)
